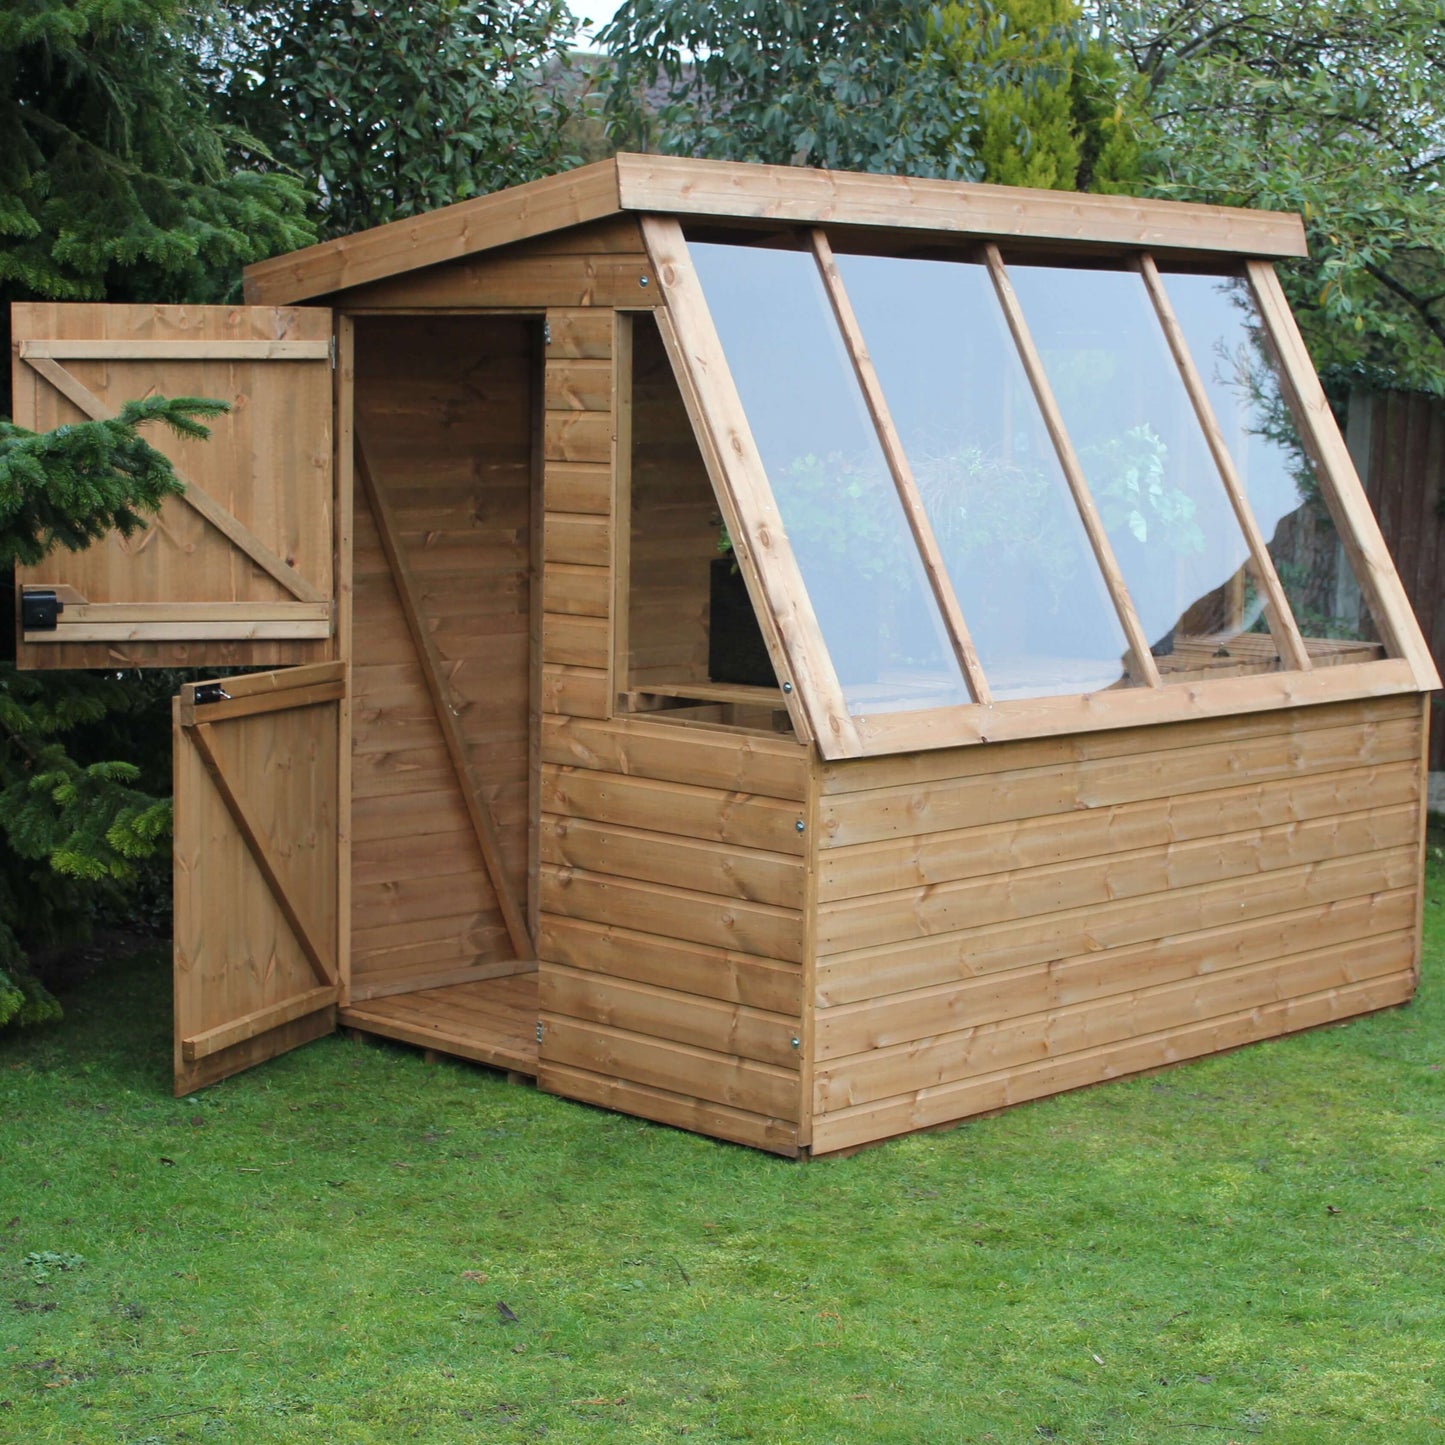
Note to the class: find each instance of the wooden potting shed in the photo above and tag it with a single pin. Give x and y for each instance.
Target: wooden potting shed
(795, 655)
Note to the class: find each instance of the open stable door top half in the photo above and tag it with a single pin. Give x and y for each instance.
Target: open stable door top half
(823, 655)
(239, 570)
(258, 773)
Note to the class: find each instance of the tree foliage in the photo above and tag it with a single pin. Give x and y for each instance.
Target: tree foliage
(117, 177)
(73, 825)
(1331, 108)
(388, 110)
(997, 91)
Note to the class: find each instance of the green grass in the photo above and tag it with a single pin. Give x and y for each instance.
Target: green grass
(1244, 1249)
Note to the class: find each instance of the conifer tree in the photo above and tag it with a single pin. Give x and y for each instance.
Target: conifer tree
(71, 828)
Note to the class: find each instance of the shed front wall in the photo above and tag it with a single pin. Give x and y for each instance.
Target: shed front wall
(999, 923)
(671, 919)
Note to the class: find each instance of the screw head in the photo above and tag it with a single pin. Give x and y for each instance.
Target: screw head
(642, 280)
(787, 687)
(801, 826)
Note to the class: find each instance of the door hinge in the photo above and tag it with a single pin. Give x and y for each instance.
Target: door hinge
(546, 333)
(539, 1031)
(331, 348)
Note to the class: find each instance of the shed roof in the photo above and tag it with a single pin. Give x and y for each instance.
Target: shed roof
(725, 190)
(995, 462)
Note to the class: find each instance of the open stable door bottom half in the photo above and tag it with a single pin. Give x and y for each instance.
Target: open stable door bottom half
(257, 772)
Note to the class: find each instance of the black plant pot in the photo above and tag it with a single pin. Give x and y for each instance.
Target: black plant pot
(736, 651)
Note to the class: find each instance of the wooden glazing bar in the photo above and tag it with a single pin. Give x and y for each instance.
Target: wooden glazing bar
(203, 738)
(913, 509)
(1282, 625)
(797, 704)
(1143, 659)
(432, 672)
(1358, 530)
(759, 539)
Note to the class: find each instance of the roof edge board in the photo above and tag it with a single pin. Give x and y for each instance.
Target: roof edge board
(741, 190)
(587, 193)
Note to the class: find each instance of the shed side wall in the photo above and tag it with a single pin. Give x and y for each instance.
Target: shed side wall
(1001, 923)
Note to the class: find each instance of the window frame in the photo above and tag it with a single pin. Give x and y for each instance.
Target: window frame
(811, 688)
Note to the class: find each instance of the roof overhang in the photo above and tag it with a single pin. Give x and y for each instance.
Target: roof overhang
(730, 191)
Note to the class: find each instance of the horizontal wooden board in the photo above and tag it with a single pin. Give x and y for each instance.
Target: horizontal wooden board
(717, 1121)
(974, 902)
(516, 279)
(580, 333)
(578, 591)
(665, 1013)
(573, 641)
(989, 997)
(576, 691)
(741, 978)
(583, 540)
(896, 968)
(705, 813)
(1068, 715)
(759, 928)
(578, 385)
(723, 869)
(681, 186)
(409, 961)
(1104, 782)
(694, 1073)
(893, 863)
(577, 487)
(404, 900)
(1015, 1043)
(942, 765)
(578, 436)
(945, 1103)
(776, 768)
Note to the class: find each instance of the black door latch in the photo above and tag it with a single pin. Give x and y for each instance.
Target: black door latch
(40, 610)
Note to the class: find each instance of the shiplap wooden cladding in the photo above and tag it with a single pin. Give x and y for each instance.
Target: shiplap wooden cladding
(499, 805)
(239, 570)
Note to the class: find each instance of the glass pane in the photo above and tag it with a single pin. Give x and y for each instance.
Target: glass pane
(1007, 526)
(1163, 504)
(1226, 338)
(831, 484)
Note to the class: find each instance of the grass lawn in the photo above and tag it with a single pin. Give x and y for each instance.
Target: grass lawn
(1245, 1249)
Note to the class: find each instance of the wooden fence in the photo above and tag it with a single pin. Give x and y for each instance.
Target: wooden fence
(1398, 442)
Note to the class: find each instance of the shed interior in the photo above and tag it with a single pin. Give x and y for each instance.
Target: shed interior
(802, 657)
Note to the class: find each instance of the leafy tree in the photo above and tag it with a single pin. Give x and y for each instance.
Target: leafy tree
(1334, 109)
(1012, 91)
(393, 109)
(72, 827)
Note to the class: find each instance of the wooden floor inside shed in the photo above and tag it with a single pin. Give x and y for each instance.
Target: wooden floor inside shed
(491, 1022)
